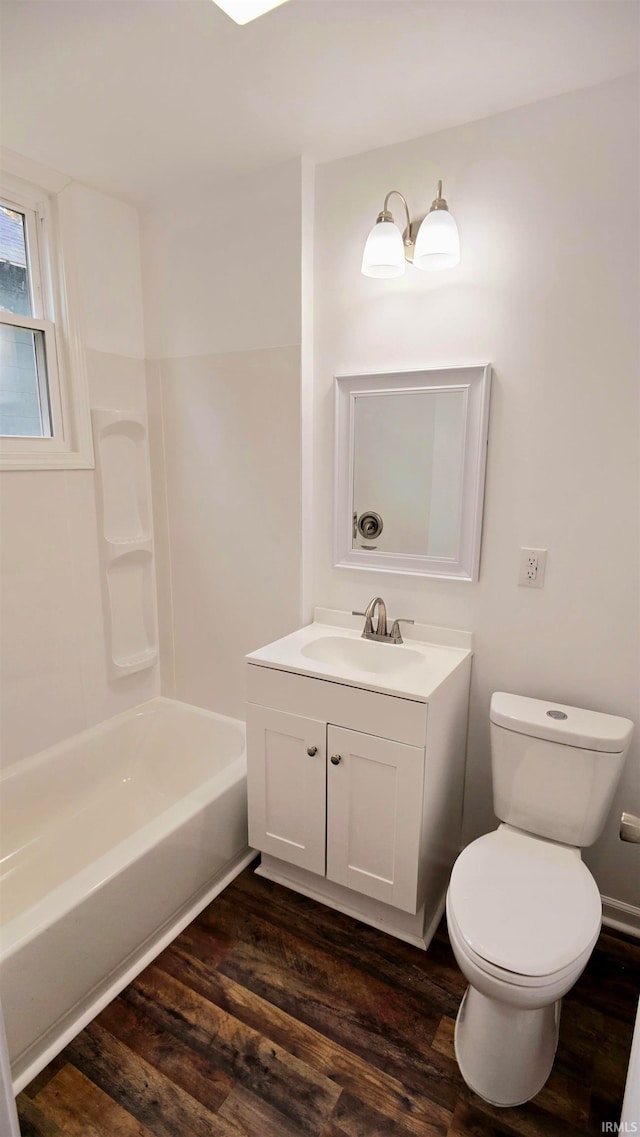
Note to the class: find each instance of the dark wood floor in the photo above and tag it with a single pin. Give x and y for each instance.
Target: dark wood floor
(272, 1016)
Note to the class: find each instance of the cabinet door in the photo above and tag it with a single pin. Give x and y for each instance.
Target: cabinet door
(374, 814)
(286, 786)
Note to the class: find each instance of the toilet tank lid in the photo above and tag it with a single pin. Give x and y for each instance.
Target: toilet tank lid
(572, 726)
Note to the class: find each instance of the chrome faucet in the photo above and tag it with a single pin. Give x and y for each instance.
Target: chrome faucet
(381, 632)
(370, 611)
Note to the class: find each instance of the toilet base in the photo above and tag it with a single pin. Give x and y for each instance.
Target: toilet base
(505, 1054)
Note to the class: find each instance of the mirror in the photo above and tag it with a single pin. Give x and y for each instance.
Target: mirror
(410, 464)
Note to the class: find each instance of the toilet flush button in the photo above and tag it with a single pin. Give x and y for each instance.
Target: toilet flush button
(557, 715)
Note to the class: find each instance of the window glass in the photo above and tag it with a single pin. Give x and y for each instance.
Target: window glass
(24, 401)
(14, 278)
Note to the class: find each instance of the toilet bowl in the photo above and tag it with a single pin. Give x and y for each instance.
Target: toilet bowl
(523, 916)
(523, 910)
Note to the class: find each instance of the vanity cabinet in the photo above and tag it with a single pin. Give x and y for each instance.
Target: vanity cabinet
(337, 802)
(287, 786)
(355, 792)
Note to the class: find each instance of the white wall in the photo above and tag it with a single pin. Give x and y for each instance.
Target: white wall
(53, 643)
(546, 199)
(222, 266)
(223, 311)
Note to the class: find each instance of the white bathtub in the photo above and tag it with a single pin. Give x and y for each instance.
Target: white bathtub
(111, 842)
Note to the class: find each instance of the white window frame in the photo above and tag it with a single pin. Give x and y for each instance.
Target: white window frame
(50, 263)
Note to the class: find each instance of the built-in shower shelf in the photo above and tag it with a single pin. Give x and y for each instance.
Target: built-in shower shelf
(117, 549)
(133, 663)
(126, 539)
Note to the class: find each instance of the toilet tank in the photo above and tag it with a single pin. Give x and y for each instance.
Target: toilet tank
(555, 768)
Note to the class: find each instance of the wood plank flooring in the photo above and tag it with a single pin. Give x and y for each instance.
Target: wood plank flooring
(273, 1016)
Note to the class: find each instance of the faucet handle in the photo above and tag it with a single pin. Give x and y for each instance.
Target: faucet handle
(394, 634)
(368, 624)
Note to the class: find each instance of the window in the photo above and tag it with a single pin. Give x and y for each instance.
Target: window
(27, 345)
(44, 419)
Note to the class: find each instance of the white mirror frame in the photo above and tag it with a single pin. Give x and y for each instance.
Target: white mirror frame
(475, 382)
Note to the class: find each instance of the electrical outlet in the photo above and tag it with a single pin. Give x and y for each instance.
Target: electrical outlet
(532, 565)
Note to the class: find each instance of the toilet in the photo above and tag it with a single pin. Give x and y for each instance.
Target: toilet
(523, 910)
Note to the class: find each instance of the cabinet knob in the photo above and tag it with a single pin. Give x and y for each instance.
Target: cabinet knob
(312, 751)
(336, 759)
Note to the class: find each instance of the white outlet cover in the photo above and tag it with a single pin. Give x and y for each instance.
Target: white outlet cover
(533, 563)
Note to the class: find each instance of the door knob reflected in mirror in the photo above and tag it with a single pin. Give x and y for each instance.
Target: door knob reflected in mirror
(370, 525)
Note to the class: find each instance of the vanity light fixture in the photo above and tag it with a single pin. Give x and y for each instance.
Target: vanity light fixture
(433, 243)
(243, 11)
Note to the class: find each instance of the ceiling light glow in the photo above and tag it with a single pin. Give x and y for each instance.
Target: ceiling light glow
(242, 11)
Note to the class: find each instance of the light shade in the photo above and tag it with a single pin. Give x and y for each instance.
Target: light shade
(438, 241)
(384, 251)
(242, 11)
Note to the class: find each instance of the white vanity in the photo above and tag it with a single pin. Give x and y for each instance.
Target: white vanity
(356, 756)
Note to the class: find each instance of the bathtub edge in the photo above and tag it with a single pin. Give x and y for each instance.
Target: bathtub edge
(82, 1013)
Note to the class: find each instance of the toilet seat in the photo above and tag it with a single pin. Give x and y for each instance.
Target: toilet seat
(566, 976)
(527, 910)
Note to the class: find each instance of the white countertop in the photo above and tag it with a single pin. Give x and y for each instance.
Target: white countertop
(431, 654)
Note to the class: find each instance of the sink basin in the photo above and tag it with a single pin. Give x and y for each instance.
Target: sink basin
(362, 655)
(333, 649)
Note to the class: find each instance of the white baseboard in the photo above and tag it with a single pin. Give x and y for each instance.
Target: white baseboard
(378, 915)
(623, 917)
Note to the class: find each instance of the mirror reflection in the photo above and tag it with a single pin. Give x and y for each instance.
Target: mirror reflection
(407, 471)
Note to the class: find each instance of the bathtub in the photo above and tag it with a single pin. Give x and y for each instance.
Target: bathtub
(111, 842)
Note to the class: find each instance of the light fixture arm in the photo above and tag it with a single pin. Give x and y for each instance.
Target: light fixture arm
(408, 237)
(386, 215)
(439, 202)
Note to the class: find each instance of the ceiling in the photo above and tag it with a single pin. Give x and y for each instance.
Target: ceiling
(140, 96)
